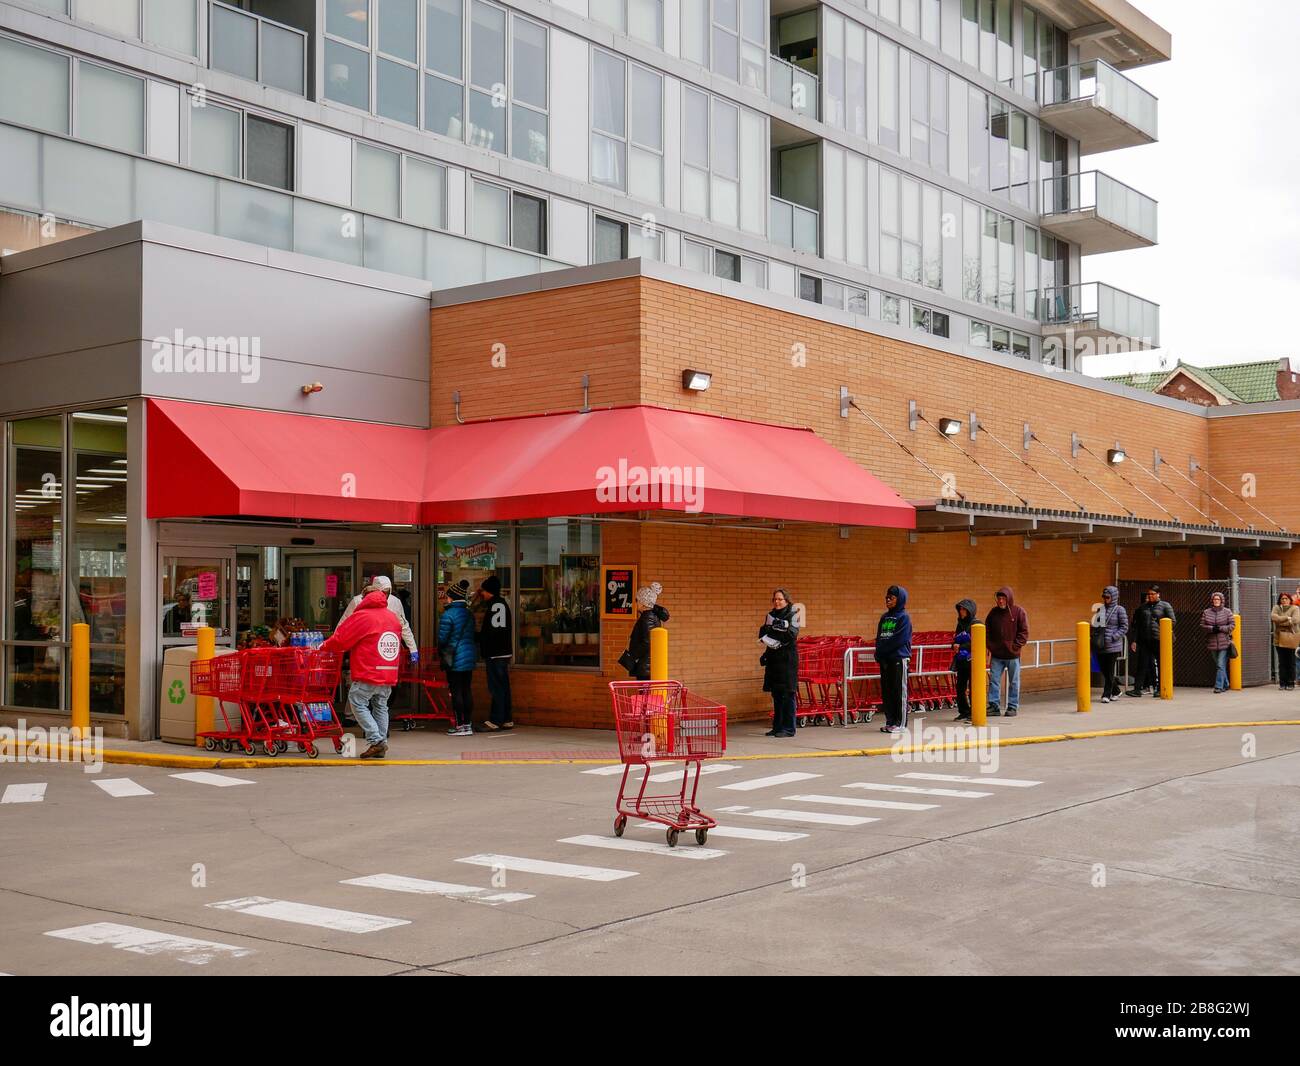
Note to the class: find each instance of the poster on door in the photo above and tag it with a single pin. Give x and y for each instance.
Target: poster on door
(207, 585)
(331, 587)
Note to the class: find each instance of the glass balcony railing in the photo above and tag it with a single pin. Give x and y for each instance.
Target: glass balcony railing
(792, 87)
(1112, 200)
(1098, 308)
(1107, 88)
(250, 46)
(793, 226)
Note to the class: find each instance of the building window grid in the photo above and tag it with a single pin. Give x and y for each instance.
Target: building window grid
(713, 170)
(731, 39)
(515, 200)
(620, 149)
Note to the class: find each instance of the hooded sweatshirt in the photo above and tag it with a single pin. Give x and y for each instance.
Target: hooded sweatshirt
(1112, 622)
(1008, 628)
(961, 635)
(894, 630)
(373, 635)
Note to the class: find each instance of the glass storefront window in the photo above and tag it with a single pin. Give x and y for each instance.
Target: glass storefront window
(193, 595)
(558, 615)
(36, 529)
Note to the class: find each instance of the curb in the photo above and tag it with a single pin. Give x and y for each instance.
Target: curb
(207, 762)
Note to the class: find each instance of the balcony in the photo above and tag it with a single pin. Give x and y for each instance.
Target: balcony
(1111, 319)
(793, 226)
(793, 87)
(250, 46)
(1094, 103)
(1098, 213)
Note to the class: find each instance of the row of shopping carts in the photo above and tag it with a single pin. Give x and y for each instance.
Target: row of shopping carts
(826, 697)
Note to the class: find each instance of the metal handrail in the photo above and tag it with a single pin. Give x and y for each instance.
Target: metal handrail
(1100, 174)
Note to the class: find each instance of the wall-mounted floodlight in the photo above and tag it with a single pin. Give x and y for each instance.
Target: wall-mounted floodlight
(950, 427)
(1115, 456)
(696, 380)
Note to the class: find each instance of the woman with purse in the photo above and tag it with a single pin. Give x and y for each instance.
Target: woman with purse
(779, 636)
(1286, 638)
(636, 659)
(1218, 623)
(1109, 631)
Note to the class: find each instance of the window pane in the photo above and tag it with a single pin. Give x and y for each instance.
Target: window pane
(695, 148)
(528, 224)
(36, 537)
(172, 25)
(647, 105)
(726, 265)
(349, 19)
(695, 31)
(283, 59)
(234, 42)
(491, 213)
(528, 135)
(726, 13)
(608, 163)
(755, 20)
(487, 57)
(397, 92)
(347, 75)
(608, 109)
(376, 185)
(646, 176)
(696, 256)
(645, 243)
(33, 87)
(725, 144)
(442, 104)
(610, 12)
(559, 580)
(426, 193)
(269, 153)
(753, 272)
(487, 122)
(695, 191)
(442, 42)
(810, 288)
(529, 85)
(646, 21)
(398, 28)
(608, 241)
(110, 108)
(118, 16)
(214, 140)
(726, 57)
(890, 309)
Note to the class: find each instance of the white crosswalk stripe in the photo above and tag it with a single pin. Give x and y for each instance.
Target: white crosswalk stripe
(607, 771)
(283, 910)
(737, 832)
(524, 865)
(977, 780)
(590, 840)
(917, 790)
(768, 782)
(120, 787)
(150, 942)
(707, 768)
(202, 777)
(850, 801)
(34, 793)
(472, 893)
(817, 817)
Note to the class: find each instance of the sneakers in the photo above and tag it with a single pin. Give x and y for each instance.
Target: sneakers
(962, 718)
(508, 725)
(1136, 693)
(461, 731)
(1105, 699)
(489, 726)
(995, 711)
(1011, 712)
(894, 730)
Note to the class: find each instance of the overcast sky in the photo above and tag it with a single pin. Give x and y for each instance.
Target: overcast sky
(1226, 173)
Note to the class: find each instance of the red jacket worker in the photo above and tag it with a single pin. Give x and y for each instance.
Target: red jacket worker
(373, 635)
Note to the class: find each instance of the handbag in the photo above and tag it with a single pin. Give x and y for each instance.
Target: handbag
(1232, 650)
(627, 662)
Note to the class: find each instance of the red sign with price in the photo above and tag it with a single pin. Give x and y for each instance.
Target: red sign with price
(618, 600)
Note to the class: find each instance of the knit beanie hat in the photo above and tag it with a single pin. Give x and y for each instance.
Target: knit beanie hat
(648, 596)
(459, 591)
(491, 585)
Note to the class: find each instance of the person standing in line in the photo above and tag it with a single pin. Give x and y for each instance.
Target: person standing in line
(779, 636)
(373, 637)
(1008, 633)
(496, 646)
(1109, 628)
(893, 649)
(457, 652)
(1286, 638)
(1144, 640)
(652, 616)
(1218, 623)
(385, 586)
(961, 660)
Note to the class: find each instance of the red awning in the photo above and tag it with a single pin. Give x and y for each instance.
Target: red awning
(206, 460)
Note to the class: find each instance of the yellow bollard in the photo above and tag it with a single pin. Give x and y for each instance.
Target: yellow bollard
(1234, 665)
(206, 638)
(659, 654)
(1166, 658)
(81, 676)
(1083, 665)
(979, 675)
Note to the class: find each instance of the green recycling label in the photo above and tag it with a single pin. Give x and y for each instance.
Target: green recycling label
(176, 694)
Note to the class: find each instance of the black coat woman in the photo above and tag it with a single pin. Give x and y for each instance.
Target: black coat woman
(780, 661)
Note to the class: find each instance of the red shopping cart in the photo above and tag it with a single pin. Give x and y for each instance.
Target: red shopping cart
(221, 678)
(287, 695)
(428, 676)
(660, 721)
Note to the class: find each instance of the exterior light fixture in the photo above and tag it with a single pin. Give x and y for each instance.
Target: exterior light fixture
(315, 386)
(950, 427)
(1115, 456)
(696, 380)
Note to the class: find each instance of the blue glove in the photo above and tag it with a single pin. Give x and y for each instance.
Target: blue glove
(415, 657)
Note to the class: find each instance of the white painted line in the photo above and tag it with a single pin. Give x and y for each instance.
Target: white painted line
(976, 780)
(849, 801)
(687, 851)
(119, 787)
(202, 777)
(550, 869)
(917, 790)
(284, 910)
(768, 782)
(817, 817)
(739, 832)
(473, 893)
(24, 793)
(606, 771)
(707, 768)
(151, 942)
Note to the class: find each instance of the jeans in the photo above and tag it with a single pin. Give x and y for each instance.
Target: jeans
(782, 711)
(1220, 668)
(1110, 685)
(369, 705)
(462, 695)
(1012, 667)
(498, 679)
(893, 692)
(963, 687)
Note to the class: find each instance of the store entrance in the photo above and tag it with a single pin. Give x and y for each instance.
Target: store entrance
(319, 588)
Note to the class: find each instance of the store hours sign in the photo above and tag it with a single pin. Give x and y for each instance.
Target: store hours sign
(619, 599)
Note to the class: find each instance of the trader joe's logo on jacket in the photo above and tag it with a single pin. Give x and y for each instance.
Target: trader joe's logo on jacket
(389, 646)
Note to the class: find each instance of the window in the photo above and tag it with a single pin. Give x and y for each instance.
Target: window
(724, 188)
(376, 186)
(269, 153)
(1029, 51)
(110, 108)
(645, 126)
(347, 75)
(753, 272)
(528, 223)
(727, 36)
(397, 78)
(726, 265)
(979, 334)
(425, 193)
(528, 111)
(929, 321)
(172, 25)
(444, 93)
(810, 288)
(608, 240)
(487, 74)
(502, 216)
(117, 16)
(559, 592)
(910, 237)
(887, 94)
(726, 39)
(642, 19)
(608, 120)
(214, 139)
(891, 309)
(696, 256)
(1006, 70)
(929, 105)
(33, 87)
(695, 152)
